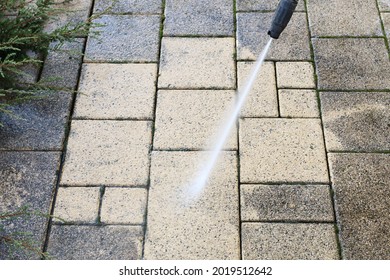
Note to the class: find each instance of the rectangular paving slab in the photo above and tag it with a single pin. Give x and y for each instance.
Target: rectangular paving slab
(95, 242)
(362, 189)
(199, 17)
(386, 23)
(356, 121)
(112, 153)
(298, 103)
(183, 228)
(273, 241)
(384, 5)
(128, 6)
(295, 74)
(282, 150)
(116, 91)
(27, 179)
(352, 63)
(264, 5)
(286, 203)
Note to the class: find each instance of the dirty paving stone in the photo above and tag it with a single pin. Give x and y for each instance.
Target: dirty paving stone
(362, 200)
(356, 121)
(95, 242)
(128, 6)
(263, 5)
(27, 179)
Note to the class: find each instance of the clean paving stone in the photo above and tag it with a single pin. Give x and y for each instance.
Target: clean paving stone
(384, 5)
(95, 242)
(199, 17)
(124, 38)
(114, 153)
(286, 203)
(295, 74)
(193, 225)
(116, 91)
(123, 206)
(263, 5)
(77, 205)
(352, 63)
(252, 29)
(128, 6)
(273, 241)
(386, 23)
(28, 179)
(344, 18)
(188, 63)
(262, 100)
(298, 103)
(362, 200)
(190, 119)
(356, 121)
(282, 150)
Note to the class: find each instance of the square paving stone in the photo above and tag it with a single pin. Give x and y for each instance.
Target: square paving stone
(286, 203)
(362, 189)
(262, 100)
(39, 124)
(282, 150)
(189, 63)
(252, 29)
(352, 63)
(27, 179)
(386, 23)
(128, 6)
(344, 18)
(272, 241)
(358, 121)
(95, 242)
(116, 91)
(199, 17)
(264, 5)
(124, 38)
(384, 5)
(202, 228)
(295, 74)
(298, 103)
(107, 153)
(123, 206)
(191, 119)
(77, 205)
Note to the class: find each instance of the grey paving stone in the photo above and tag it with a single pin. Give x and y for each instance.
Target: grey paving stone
(282, 150)
(344, 18)
(190, 119)
(124, 38)
(114, 153)
(362, 189)
(384, 5)
(288, 241)
(202, 228)
(386, 23)
(116, 91)
(286, 203)
(264, 5)
(252, 29)
(262, 100)
(27, 179)
(61, 67)
(95, 242)
(40, 124)
(352, 63)
(357, 121)
(188, 63)
(128, 6)
(298, 103)
(199, 17)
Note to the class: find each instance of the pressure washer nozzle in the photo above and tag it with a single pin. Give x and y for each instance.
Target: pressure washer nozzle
(282, 16)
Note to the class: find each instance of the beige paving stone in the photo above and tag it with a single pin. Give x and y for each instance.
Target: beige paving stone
(282, 150)
(197, 63)
(273, 241)
(262, 100)
(386, 22)
(77, 205)
(295, 74)
(384, 5)
(123, 206)
(190, 119)
(298, 103)
(112, 91)
(286, 203)
(107, 153)
(204, 228)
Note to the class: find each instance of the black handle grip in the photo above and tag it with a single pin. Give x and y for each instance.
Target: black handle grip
(282, 17)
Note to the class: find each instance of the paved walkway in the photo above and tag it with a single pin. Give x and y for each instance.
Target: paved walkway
(304, 175)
